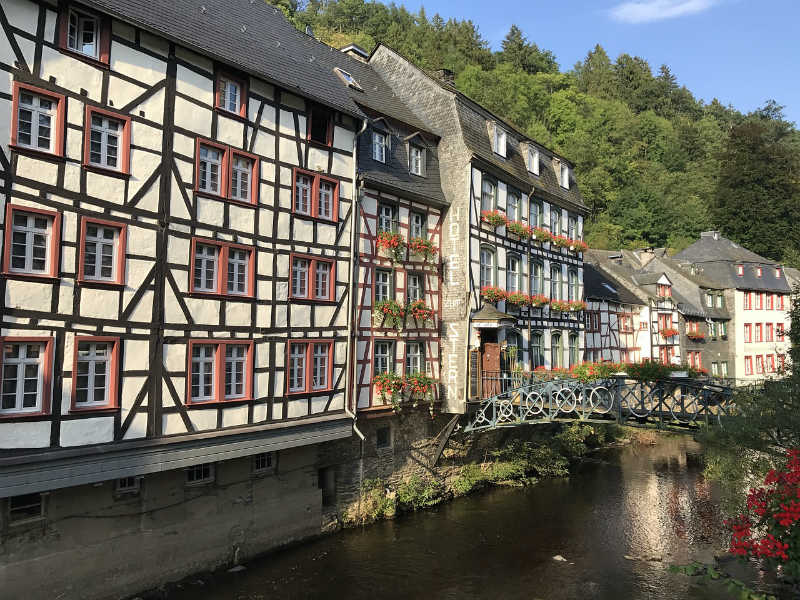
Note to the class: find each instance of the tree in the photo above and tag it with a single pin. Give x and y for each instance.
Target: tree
(525, 56)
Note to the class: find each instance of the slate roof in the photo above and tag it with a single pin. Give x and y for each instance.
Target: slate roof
(254, 37)
(719, 257)
(489, 314)
(690, 287)
(792, 276)
(621, 271)
(600, 285)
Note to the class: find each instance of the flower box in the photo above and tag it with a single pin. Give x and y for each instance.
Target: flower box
(518, 299)
(420, 312)
(578, 246)
(541, 235)
(388, 385)
(493, 294)
(577, 305)
(494, 218)
(697, 336)
(392, 244)
(668, 332)
(559, 305)
(561, 241)
(422, 247)
(388, 313)
(538, 300)
(518, 229)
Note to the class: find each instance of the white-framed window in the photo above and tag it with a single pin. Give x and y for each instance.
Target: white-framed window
(297, 367)
(513, 273)
(320, 366)
(723, 368)
(416, 290)
(709, 300)
(104, 141)
(203, 372)
(512, 210)
(83, 34)
(572, 227)
(499, 145)
(720, 301)
(241, 169)
(379, 146)
(740, 270)
(387, 220)
(383, 285)
(555, 282)
(100, 250)
(564, 176)
(533, 160)
(537, 277)
(322, 280)
(417, 225)
(487, 267)
(92, 376)
(573, 350)
(210, 169)
(536, 214)
(537, 349)
(777, 273)
(416, 160)
(302, 195)
(759, 272)
(238, 269)
(36, 115)
(384, 357)
(572, 285)
(200, 474)
(23, 377)
(263, 463)
(206, 259)
(326, 190)
(415, 357)
(235, 370)
(488, 194)
(230, 95)
(556, 351)
(555, 221)
(127, 485)
(300, 268)
(30, 242)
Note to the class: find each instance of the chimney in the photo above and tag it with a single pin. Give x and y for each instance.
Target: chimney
(446, 76)
(356, 52)
(712, 234)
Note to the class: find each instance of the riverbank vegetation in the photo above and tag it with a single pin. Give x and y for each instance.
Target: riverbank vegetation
(517, 463)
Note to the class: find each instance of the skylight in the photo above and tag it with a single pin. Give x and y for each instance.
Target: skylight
(610, 288)
(347, 78)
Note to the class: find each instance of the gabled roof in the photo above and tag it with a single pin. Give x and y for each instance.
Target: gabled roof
(602, 286)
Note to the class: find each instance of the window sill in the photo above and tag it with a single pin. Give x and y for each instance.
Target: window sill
(106, 171)
(34, 153)
(313, 300)
(100, 284)
(309, 392)
(200, 404)
(30, 276)
(218, 296)
(315, 218)
(213, 196)
(24, 415)
(232, 115)
(76, 410)
(84, 58)
(318, 144)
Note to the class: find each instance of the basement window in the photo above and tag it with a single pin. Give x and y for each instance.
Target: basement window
(264, 463)
(25, 508)
(127, 485)
(383, 438)
(200, 474)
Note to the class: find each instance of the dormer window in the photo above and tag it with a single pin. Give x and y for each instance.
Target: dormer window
(232, 94)
(320, 125)
(664, 291)
(564, 176)
(86, 34)
(758, 272)
(347, 78)
(416, 160)
(777, 273)
(499, 141)
(379, 144)
(740, 270)
(533, 160)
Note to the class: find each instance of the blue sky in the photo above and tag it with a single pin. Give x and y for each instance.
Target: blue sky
(741, 51)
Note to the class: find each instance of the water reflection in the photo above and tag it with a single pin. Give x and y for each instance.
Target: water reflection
(619, 522)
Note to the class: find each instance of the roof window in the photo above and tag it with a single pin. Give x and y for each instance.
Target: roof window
(348, 79)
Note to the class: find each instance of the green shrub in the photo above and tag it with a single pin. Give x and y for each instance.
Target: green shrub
(416, 493)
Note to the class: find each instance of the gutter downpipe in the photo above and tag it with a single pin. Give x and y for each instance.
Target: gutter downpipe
(352, 306)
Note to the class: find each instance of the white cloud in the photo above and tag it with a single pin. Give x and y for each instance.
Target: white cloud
(646, 11)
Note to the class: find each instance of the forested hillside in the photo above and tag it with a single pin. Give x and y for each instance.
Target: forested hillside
(655, 164)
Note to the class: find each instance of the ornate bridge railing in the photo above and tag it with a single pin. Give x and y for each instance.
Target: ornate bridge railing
(679, 402)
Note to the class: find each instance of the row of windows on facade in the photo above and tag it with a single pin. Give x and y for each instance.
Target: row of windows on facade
(514, 211)
(389, 221)
(28, 508)
(513, 355)
(624, 322)
(763, 301)
(220, 268)
(381, 151)
(764, 363)
(533, 156)
(515, 280)
(766, 332)
(758, 271)
(219, 371)
(715, 328)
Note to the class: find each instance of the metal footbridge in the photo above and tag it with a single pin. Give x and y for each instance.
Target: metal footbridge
(672, 402)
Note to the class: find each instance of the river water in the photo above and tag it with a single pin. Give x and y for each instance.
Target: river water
(618, 522)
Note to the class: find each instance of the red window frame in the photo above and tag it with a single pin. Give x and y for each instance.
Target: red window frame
(760, 301)
(748, 333)
(759, 364)
(309, 352)
(125, 145)
(55, 242)
(222, 268)
(780, 298)
(60, 121)
(769, 333)
(748, 365)
(226, 172)
(219, 371)
(104, 31)
(664, 291)
(121, 248)
(748, 300)
(310, 280)
(779, 332)
(769, 302)
(740, 270)
(643, 325)
(243, 96)
(113, 372)
(316, 178)
(770, 363)
(759, 272)
(47, 372)
(759, 333)
(329, 133)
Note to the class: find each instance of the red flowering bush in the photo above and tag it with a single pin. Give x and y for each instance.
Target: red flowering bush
(420, 386)
(696, 335)
(561, 305)
(493, 294)
(579, 246)
(541, 235)
(494, 218)
(519, 229)
(770, 527)
(422, 247)
(561, 241)
(392, 243)
(388, 385)
(389, 314)
(577, 305)
(517, 299)
(420, 311)
(668, 332)
(538, 300)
